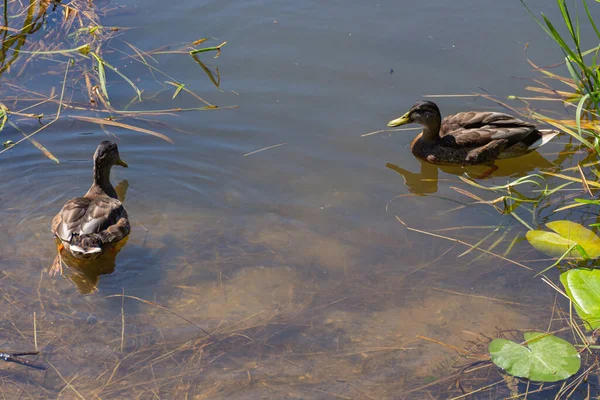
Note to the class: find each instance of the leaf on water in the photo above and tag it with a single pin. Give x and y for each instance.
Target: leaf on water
(584, 243)
(579, 234)
(545, 358)
(179, 88)
(583, 288)
(551, 244)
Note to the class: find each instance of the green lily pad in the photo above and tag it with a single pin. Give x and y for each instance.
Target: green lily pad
(551, 243)
(545, 358)
(579, 234)
(583, 288)
(566, 234)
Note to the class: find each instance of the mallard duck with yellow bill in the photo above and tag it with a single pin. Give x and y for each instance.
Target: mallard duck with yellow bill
(470, 138)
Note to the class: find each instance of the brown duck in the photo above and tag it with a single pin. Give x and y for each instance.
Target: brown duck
(470, 138)
(88, 225)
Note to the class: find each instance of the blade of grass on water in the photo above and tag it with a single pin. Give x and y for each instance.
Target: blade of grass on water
(179, 88)
(101, 121)
(37, 144)
(592, 22)
(109, 66)
(3, 115)
(217, 81)
(177, 85)
(101, 77)
(463, 243)
(562, 79)
(571, 178)
(215, 48)
(84, 49)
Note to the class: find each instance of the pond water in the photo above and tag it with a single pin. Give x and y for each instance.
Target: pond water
(292, 258)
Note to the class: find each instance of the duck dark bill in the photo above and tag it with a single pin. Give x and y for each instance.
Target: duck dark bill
(403, 120)
(122, 163)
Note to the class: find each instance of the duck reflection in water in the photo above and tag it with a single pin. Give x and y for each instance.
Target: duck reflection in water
(426, 181)
(85, 272)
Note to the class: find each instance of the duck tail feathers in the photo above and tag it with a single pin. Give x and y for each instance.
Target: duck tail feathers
(85, 245)
(546, 135)
(86, 251)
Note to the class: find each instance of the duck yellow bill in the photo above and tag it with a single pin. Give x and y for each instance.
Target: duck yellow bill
(403, 120)
(122, 163)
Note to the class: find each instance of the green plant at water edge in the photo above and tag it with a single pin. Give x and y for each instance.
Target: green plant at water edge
(583, 71)
(583, 288)
(568, 239)
(545, 358)
(76, 47)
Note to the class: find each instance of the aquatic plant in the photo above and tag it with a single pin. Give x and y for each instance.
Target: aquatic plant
(584, 71)
(75, 50)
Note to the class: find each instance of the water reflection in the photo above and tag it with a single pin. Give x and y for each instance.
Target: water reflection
(85, 273)
(426, 181)
(31, 24)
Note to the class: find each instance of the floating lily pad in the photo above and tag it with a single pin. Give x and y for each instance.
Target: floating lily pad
(566, 235)
(545, 358)
(583, 288)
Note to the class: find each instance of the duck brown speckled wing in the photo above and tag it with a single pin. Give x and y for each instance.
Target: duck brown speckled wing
(83, 215)
(473, 129)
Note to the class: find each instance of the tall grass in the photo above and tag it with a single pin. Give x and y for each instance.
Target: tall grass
(584, 70)
(582, 64)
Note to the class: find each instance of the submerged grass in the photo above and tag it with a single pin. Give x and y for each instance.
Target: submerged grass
(252, 319)
(77, 47)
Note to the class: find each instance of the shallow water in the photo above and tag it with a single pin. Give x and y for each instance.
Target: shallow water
(292, 258)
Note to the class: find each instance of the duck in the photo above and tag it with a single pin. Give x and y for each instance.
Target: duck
(89, 225)
(470, 138)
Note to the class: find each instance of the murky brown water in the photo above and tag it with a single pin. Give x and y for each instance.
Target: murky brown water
(292, 259)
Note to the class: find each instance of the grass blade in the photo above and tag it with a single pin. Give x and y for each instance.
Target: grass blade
(104, 63)
(101, 121)
(101, 76)
(587, 10)
(179, 88)
(215, 48)
(579, 111)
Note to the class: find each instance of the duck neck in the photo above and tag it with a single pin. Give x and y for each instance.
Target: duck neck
(431, 131)
(102, 181)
